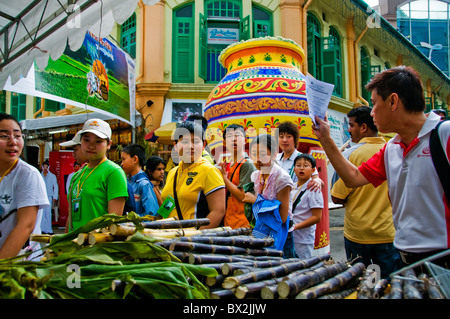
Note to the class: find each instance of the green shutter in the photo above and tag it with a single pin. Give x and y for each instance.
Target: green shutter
(128, 35)
(428, 105)
(331, 64)
(183, 70)
(3, 101)
(244, 29)
(18, 106)
(203, 46)
(314, 47)
(365, 74)
(262, 28)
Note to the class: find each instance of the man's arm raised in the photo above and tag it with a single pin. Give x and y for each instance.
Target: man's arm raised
(349, 173)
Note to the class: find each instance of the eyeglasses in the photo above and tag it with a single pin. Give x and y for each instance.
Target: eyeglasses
(8, 137)
(303, 166)
(235, 135)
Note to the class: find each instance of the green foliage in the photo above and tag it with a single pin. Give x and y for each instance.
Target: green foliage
(137, 267)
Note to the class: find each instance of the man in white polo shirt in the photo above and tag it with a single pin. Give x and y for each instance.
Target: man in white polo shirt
(420, 208)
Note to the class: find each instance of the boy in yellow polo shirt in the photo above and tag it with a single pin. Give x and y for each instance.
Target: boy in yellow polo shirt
(368, 225)
(200, 189)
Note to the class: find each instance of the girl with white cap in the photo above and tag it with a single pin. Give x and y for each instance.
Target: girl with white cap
(101, 186)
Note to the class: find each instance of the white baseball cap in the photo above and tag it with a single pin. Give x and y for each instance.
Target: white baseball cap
(76, 140)
(98, 127)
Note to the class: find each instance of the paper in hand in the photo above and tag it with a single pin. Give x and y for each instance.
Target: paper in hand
(318, 94)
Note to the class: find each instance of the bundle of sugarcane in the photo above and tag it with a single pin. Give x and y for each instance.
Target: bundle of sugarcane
(218, 249)
(408, 285)
(166, 229)
(295, 273)
(230, 268)
(271, 272)
(294, 285)
(238, 241)
(185, 223)
(333, 284)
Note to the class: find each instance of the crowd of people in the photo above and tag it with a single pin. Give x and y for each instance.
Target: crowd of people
(396, 209)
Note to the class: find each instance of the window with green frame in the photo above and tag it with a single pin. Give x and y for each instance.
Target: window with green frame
(50, 105)
(128, 35)
(18, 105)
(368, 71)
(314, 46)
(218, 14)
(331, 68)
(262, 22)
(183, 44)
(3, 101)
(365, 73)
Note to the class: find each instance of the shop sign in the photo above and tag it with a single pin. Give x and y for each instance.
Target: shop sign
(223, 36)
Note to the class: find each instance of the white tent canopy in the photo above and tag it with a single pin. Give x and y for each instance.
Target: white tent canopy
(34, 30)
(61, 121)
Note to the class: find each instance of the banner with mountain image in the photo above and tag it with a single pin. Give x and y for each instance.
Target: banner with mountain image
(99, 77)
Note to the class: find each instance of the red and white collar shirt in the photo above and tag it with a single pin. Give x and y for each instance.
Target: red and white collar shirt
(421, 212)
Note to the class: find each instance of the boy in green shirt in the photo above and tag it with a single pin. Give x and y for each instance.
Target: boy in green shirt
(101, 186)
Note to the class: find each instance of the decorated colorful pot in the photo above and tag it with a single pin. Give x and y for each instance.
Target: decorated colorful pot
(263, 87)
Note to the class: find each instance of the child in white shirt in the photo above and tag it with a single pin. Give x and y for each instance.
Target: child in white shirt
(306, 206)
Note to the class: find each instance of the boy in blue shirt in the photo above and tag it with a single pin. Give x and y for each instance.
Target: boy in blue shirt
(133, 159)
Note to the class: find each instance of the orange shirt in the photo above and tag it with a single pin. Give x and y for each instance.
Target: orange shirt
(239, 174)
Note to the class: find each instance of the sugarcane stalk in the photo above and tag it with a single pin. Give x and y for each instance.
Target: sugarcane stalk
(166, 234)
(332, 284)
(229, 268)
(40, 238)
(297, 283)
(396, 290)
(82, 238)
(269, 292)
(339, 295)
(242, 271)
(222, 294)
(230, 232)
(213, 281)
(239, 241)
(121, 230)
(365, 289)
(410, 290)
(182, 256)
(185, 223)
(213, 258)
(95, 238)
(380, 288)
(271, 272)
(219, 249)
(254, 288)
(432, 290)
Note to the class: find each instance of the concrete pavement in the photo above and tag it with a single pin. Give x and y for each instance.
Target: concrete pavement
(337, 249)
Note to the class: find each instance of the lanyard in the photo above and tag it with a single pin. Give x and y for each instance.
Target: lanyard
(262, 184)
(9, 169)
(79, 188)
(291, 171)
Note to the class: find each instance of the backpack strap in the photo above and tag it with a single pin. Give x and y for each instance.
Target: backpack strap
(440, 161)
(177, 205)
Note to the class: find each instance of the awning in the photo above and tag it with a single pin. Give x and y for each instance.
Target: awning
(162, 134)
(61, 121)
(33, 31)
